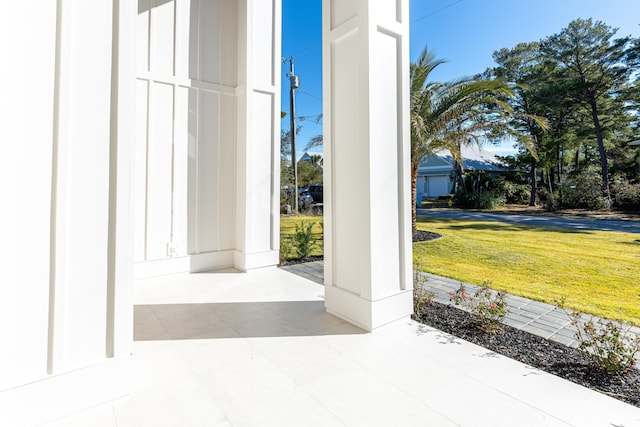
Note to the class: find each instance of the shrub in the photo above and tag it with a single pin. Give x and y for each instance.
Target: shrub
(606, 344)
(518, 194)
(488, 308)
(303, 239)
(625, 195)
(286, 248)
(584, 190)
(285, 197)
(422, 298)
(480, 190)
(548, 199)
(482, 199)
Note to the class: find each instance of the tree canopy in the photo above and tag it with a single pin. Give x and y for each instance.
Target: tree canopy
(583, 81)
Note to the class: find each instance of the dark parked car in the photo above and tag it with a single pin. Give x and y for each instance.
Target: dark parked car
(316, 192)
(304, 200)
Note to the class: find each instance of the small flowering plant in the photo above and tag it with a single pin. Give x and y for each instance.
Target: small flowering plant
(487, 307)
(422, 298)
(604, 341)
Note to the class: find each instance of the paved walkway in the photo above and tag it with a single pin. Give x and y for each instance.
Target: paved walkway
(313, 271)
(535, 317)
(538, 220)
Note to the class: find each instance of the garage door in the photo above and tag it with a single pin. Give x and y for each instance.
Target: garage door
(437, 185)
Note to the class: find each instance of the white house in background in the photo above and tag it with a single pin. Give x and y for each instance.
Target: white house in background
(435, 173)
(308, 157)
(141, 138)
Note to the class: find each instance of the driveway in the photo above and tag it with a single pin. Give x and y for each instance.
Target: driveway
(542, 221)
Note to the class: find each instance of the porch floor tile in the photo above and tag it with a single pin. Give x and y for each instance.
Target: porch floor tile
(258, 349)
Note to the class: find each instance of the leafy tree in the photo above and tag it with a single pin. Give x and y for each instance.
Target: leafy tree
(524, 67)
(592, 62)
(309, 172)
(315, 141)
(286, 171)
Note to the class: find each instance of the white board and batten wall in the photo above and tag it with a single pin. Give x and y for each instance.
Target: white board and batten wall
(132, 131)
(207, 138)
(186, 131)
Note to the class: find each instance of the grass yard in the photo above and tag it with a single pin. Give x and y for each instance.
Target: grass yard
(597, 272)
(288, 228)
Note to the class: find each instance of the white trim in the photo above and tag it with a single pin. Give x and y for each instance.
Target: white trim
(65, 394)
(185, 264)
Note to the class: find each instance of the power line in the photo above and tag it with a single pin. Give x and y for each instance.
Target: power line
(309, 95)
(315, 118)
(436, 11)
(313, 43)
(318, 40)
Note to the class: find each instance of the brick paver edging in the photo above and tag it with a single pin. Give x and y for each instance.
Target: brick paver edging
(538, 318)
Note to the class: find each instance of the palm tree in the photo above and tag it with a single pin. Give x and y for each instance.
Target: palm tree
(448, 115)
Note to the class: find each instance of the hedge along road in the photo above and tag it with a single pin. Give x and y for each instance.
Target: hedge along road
(541, 221)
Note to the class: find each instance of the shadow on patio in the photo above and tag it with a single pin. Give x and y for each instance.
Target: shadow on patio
(236, 320)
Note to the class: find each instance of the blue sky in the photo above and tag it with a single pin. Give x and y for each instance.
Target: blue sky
(464, 32)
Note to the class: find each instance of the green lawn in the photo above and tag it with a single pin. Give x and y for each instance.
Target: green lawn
(597, 272)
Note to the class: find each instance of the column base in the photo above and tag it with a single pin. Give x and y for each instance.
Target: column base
(244, 262)
(184, 264)
(366, 314)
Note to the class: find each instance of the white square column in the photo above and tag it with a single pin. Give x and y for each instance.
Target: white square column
(367, 200)
(66, 313)
(258, 134)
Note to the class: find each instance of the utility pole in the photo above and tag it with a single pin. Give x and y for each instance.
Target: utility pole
(294, 84)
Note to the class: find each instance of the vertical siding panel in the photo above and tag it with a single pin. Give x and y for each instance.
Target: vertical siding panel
(181, 170)
(160, 166)
(208, 169)
(209, 46)
(162, 42)
(25, 185)
(226, 177)
(87, 200)
(140, 180)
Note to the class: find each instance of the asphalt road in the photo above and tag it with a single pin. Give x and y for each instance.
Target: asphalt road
(543, 221)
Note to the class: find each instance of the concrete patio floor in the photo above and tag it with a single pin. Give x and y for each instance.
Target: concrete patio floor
(258, 349)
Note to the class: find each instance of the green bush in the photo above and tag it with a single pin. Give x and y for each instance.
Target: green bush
(625, 195)
(483, 199)
(286, 247)
(303, 240)
(481, 190)
(583, 190)
(518, 194)
(605, 343)
(548, 199)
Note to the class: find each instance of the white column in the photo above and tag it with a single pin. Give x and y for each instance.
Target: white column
(366, 143)
(67, 315)
(258, 135)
